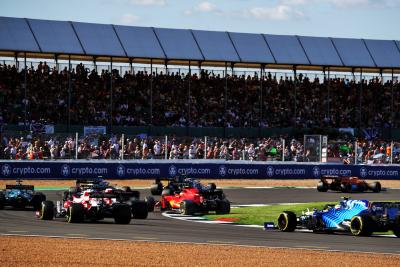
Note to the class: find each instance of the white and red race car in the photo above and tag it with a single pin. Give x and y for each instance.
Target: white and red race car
(90, 205)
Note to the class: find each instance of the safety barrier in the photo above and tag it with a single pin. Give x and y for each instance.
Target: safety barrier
(219, 169)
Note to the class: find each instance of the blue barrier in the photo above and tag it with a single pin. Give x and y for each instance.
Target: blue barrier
(197, 169)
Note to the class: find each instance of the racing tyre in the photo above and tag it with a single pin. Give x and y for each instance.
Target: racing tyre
(2, 200)
(126, 189)
(396, 226)
(287, 221)
(361, 225)
(156, 189)
(376, 187)
(345, 188)
(223, 207)
(212, 186)
(46, 210)
(322, 187)
(166, 192)
(139, 210)
(73, 190)
(187, 207)
(37, 200)
(75, 213)
(150, 203)
(122, 214)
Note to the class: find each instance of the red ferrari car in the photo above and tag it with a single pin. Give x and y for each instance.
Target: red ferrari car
(189, 196)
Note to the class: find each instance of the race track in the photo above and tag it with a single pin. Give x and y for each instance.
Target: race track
(158, 228)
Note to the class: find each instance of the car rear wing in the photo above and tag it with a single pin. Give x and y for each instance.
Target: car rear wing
(20, 187)
(86, 181)
(103, 195)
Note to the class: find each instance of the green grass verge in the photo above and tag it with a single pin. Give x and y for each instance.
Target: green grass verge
(259, 215)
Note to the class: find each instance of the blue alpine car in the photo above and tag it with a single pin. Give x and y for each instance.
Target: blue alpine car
(19, 196)
(359, 217)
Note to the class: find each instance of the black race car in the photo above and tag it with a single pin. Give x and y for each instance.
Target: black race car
(125, 194)
(19, 196)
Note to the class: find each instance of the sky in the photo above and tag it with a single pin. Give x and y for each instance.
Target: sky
(371, 19)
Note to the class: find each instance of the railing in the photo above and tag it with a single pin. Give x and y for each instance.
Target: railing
(143, 147)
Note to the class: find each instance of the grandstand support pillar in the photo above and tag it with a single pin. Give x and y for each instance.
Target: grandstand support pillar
(360, 99)
(16, 61)
(69, 93)
(25, 95)
(295, 95)
(226, 98)
(391, 102)
(130, 65)
(329, 94)
(189, 97)
(261, 94)
(151, 93)
(56, 60)
(111, 95)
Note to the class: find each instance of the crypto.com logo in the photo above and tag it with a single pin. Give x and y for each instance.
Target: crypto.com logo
(6, 170)
(363, 172)
(316, 172)
(65, 170)
(121, 171)
(172, 171)
(222, 170)
(270, 171)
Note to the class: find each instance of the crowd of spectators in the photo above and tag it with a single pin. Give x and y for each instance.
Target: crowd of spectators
(136, 148)
(285, 102)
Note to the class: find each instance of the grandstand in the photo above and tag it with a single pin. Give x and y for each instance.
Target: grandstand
(74, 41)
(301, 102)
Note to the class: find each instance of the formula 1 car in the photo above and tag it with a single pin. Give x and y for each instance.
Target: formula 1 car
(87, 205)
(189, 196)
(359, 217)
(347, 184)
(21, 196)
(140, 208)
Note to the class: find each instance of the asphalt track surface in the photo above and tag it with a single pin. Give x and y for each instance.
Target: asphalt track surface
(158, 228)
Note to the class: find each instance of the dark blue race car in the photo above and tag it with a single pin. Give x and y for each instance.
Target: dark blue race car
(19, 196)
(360, 217)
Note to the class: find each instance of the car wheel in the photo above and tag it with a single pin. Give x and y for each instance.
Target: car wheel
(139, 210)
(223, 207)
(75, 213)
(187, 207)
(150, 203)
(361, 225)
(322, 187)
(156, 189)
(212, 186)
(287, 221)
(396, 226)
(122, 214)
(37, 200)
(376, 187)
(2, 200)
(46, 211)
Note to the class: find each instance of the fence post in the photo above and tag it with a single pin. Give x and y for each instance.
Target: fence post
(76, 145)
(122, 146)
(391, 152)
(355, 153)
(166, 147)
(283, 149)
(205, 147)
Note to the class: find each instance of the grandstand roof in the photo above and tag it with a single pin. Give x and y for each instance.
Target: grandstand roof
(89, 41)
